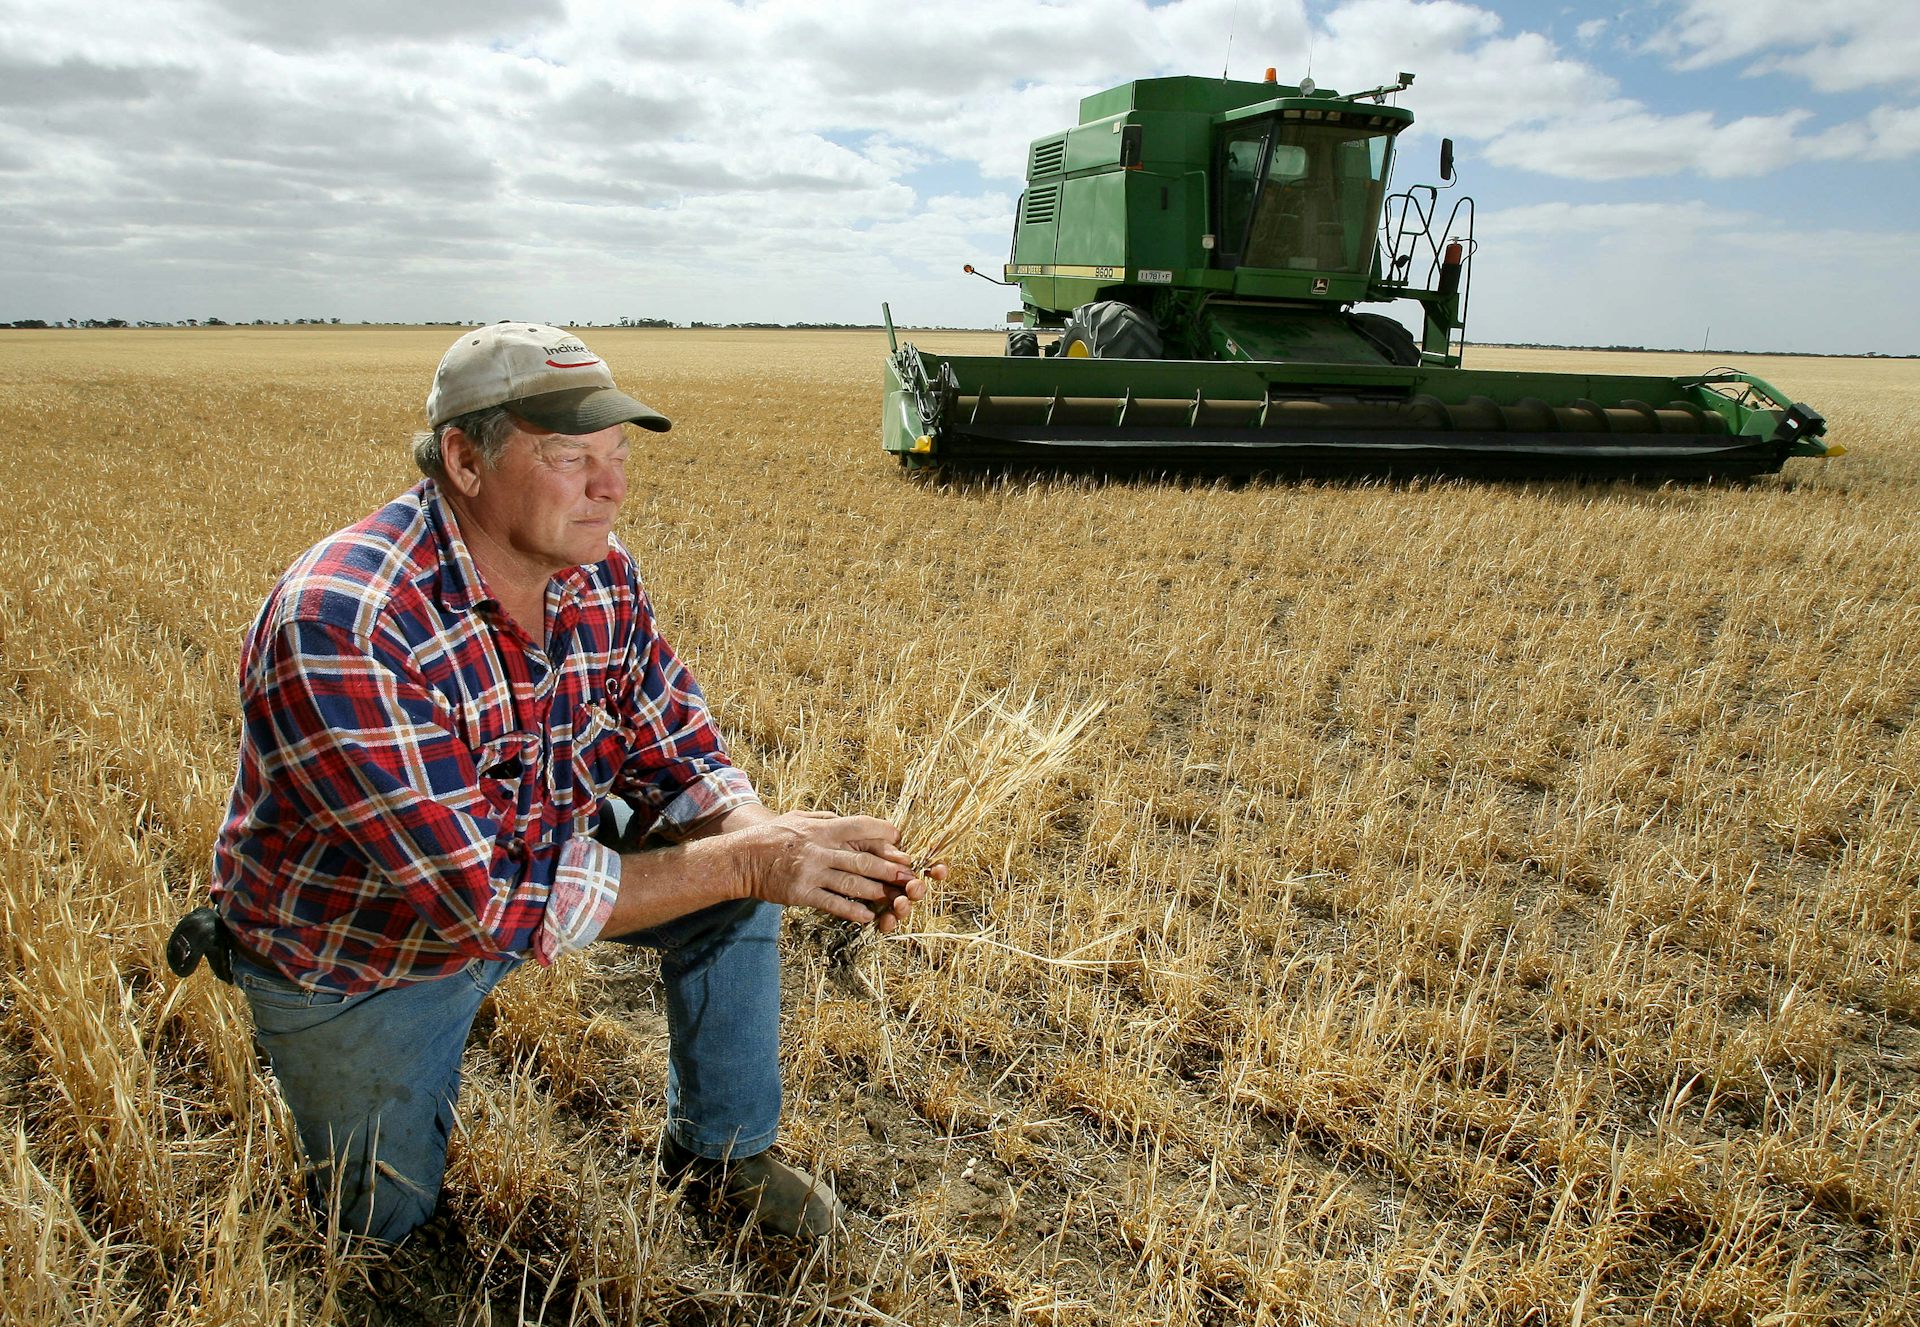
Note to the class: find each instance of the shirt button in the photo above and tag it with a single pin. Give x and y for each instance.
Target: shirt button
(515, 847)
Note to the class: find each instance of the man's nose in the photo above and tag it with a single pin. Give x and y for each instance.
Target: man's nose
(608, 482)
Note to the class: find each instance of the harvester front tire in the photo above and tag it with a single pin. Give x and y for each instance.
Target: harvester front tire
(1023, 343)
(1109, 329)
(1389, 336)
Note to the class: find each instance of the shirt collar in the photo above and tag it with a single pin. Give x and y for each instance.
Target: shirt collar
(462, 587)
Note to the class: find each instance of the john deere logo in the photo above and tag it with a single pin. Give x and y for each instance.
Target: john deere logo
(1320, 285)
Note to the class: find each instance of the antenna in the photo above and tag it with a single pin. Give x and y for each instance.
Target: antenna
(1233, 21)
(1308, 18)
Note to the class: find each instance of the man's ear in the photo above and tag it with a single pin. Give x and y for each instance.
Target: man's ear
(461, 460)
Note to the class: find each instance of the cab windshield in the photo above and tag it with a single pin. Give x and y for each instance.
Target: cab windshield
(1301, 195)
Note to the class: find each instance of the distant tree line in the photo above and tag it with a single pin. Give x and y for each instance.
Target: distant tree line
(1681, 350)
(662, 323)
(799, 327)
(184, 322)
(668, 323)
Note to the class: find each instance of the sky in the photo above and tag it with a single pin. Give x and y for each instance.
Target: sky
(1743, 174)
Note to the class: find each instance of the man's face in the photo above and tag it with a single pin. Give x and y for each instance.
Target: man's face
(549, 503)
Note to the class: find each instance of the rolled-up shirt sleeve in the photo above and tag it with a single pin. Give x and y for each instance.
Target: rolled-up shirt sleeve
(584, 889)
(677, 771)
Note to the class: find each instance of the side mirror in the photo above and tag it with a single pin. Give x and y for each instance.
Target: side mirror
(1446, 161)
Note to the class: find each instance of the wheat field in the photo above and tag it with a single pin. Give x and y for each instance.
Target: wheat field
(1472, 904)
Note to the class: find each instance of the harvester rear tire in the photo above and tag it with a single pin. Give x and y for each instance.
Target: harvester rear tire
(1389, 336)
(1023, 343)
(1110, 329)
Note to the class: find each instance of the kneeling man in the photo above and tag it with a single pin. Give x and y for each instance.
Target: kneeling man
(445, 707)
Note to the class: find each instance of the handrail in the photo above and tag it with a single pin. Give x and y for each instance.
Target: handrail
(1408, 233)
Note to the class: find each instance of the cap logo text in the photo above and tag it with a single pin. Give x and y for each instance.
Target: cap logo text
(570, 346)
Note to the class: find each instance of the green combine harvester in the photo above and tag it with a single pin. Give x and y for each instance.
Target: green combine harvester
(1198, 249)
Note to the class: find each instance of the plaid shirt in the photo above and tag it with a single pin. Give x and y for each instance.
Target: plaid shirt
(419, 780)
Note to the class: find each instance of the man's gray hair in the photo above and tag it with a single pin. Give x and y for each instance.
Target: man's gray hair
(488, 430)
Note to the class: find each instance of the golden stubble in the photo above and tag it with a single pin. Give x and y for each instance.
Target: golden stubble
(1472, 902)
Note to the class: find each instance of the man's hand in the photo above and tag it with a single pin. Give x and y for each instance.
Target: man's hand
(845, 866)
(849, 867)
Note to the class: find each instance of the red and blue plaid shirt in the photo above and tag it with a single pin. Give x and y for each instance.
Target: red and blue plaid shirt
(419, 780)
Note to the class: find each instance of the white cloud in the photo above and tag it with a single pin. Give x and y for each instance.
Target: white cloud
(1637, 221)
(301, 26)
(1661, 275)
(1894, 132)
(1621, 140)
(1835, 45)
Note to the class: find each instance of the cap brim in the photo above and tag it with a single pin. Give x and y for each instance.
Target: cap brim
(586, 410)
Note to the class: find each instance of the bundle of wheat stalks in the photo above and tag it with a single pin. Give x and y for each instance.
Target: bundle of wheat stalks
(989, 757)
(985, 760)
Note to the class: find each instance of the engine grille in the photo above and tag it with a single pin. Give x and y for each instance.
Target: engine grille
(1048, 157)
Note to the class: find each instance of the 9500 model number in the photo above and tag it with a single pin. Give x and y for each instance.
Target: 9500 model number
(1152, 275)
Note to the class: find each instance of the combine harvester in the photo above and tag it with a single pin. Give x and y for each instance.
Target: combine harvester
(1199, 245)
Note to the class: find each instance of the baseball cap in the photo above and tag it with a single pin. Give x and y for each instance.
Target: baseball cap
(541, 374)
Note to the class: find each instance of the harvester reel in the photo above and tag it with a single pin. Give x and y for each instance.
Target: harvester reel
(1110, 329)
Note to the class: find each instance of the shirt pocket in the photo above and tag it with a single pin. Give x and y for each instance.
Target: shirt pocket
(504, 769)
(599, 749)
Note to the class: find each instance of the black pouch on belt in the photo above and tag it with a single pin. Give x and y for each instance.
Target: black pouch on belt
(201, 934)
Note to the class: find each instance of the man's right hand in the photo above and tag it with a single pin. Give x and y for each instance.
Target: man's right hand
(846, 866)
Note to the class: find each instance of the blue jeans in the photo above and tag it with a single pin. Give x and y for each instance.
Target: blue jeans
(372, 1079)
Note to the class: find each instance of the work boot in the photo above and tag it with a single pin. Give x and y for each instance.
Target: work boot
(780, 1199)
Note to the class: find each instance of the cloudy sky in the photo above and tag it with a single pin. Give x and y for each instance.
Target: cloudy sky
(1645, 170)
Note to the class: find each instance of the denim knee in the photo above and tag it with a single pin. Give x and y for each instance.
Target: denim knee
(721, 971)
(371, 1081)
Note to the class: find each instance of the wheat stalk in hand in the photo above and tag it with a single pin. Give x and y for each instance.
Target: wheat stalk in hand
(984, 760)
(958, 785)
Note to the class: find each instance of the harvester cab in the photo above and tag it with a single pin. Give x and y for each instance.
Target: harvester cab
(1191, 258)
(1249, 241)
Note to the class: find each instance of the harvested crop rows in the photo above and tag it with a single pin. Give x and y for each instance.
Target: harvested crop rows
(1472, 903)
